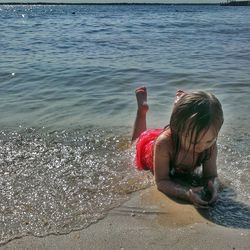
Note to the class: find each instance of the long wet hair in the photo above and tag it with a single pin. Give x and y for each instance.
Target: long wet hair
(194, 113)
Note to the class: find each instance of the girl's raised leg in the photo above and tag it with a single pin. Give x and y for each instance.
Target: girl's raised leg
(140, 124)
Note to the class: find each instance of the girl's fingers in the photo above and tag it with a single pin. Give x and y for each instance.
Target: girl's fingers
(202, 202)
(210, 183)
(197, 189)
(196, 200)
(213, 199)
(199, 206)
(210, 186)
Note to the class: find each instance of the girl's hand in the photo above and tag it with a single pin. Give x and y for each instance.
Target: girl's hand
(213, 192)
(194, 197)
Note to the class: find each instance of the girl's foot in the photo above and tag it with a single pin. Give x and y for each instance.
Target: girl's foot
(178, 95)
(141, 97)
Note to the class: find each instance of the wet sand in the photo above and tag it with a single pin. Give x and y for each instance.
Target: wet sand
(149, 220)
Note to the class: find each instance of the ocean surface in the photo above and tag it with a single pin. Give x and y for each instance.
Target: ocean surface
(67, 105)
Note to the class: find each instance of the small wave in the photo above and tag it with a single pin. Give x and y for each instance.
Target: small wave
(59, 181)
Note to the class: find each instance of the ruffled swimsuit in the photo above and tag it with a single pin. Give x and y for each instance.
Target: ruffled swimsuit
(145, 149)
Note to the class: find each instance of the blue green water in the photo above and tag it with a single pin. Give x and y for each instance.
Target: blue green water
(67, 80)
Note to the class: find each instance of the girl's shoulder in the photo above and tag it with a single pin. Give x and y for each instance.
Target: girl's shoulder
(165, 139)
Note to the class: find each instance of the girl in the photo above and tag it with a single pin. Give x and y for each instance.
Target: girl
(174, 153)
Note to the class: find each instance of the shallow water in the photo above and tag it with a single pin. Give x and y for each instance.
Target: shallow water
(67, 105)
(56, 182)
(233, 206)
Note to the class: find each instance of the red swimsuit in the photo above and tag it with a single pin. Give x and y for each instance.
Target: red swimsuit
(145, 149)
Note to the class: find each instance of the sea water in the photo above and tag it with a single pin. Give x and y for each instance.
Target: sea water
(67, 80)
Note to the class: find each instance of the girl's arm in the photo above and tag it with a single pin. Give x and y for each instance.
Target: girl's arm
(210, 174)
(161, 172)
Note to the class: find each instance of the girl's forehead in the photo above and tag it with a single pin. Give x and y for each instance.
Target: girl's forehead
(204, 134)
(210, 133)
(207, 135)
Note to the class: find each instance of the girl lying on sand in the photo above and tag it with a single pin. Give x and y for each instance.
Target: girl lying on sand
(175, 152)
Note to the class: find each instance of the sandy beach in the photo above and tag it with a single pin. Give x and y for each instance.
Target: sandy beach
(149, 220)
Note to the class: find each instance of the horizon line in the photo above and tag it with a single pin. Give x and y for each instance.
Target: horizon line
(108, 3)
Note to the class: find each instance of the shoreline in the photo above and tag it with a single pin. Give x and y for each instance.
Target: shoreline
(125, 3)
(148, 220)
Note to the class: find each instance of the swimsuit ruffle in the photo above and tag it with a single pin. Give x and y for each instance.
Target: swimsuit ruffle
(144, 149)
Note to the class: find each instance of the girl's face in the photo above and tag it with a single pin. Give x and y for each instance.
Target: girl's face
(204, 141)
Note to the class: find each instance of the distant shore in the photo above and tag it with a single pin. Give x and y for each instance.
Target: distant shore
(57, 3)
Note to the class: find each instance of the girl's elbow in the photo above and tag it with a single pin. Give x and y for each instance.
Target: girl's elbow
(160, 185)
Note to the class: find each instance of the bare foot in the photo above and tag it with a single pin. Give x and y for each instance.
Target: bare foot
(141, 96)
(178, 95)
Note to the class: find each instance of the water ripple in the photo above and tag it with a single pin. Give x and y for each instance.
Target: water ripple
(56, 182)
